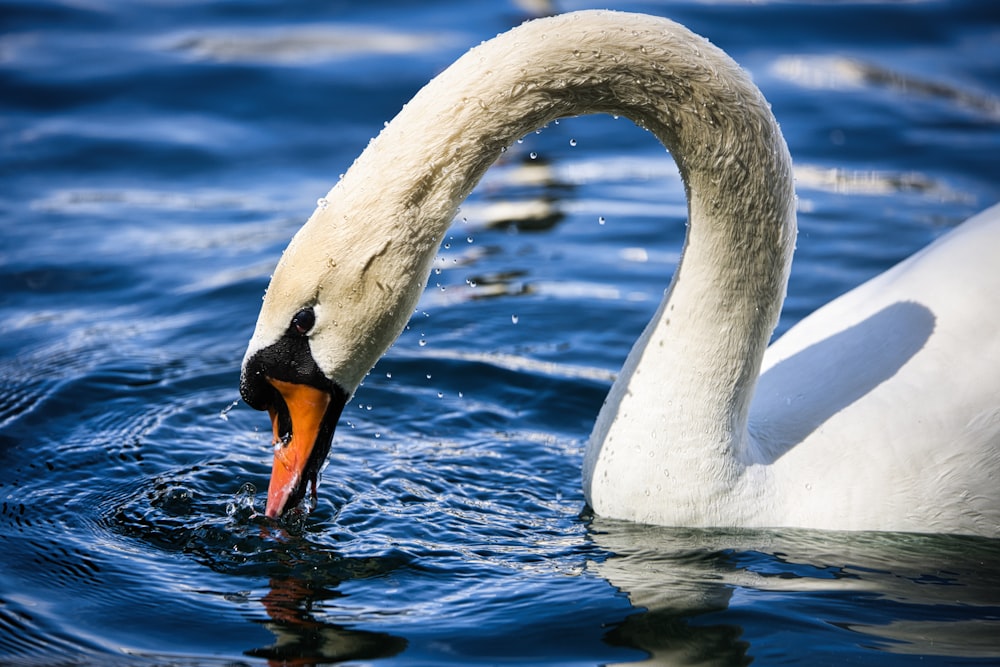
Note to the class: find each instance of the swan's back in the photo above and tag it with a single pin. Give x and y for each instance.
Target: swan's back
(890, 395)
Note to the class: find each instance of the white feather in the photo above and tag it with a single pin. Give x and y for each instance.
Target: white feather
(878, 412)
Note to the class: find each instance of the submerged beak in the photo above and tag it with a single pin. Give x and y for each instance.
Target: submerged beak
(303, 428)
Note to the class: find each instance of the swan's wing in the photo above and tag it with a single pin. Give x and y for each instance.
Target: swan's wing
(957, 278)
(894, 387)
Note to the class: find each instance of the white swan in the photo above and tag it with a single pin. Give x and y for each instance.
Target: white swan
(881, 411)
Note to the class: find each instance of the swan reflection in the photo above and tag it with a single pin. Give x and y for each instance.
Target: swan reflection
(698, 592)
(302, 638)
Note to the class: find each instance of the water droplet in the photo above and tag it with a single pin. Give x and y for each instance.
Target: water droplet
(533, 155)
(601, 220)
(242, 504)
(224, 415)
(422, 342)
(514, 318)
(388, 376)
(468, 240)
(572, 142)
(440, 394)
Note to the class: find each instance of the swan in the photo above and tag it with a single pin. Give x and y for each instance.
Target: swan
(880, 411)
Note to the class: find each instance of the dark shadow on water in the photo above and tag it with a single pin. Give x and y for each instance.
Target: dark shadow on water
(796, 396)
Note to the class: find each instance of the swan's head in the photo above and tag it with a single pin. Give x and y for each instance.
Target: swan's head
(338, 298)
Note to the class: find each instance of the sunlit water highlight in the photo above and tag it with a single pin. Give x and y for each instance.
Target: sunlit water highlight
(156, 160)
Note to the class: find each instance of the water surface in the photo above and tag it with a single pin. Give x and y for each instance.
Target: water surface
(157, 157)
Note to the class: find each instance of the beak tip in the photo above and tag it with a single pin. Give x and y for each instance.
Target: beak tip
(301, 444)
(277, 501)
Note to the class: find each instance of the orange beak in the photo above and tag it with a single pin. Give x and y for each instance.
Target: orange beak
(293, 450)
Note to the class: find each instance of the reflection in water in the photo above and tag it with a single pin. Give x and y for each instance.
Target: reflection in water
(672, 581)
(839, 72)
(672, 640)
(525, 196)
(302, 639)
(700, 593)
(303, 571)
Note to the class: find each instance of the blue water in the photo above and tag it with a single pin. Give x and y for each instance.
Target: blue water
(157, 156)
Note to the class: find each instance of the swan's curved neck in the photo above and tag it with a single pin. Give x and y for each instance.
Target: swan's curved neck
(688, 93)
(724, 301)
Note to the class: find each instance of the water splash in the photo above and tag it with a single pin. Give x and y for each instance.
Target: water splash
(224, 414)
(242, 508)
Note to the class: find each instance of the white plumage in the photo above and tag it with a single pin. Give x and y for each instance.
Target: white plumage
(881, 411)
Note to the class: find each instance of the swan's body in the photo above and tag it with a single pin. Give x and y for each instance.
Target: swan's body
(880, 411)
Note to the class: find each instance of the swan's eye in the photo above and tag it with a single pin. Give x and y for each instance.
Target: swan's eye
(303, 321)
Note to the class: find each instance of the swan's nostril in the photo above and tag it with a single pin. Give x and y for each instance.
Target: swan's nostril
(255, 390)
